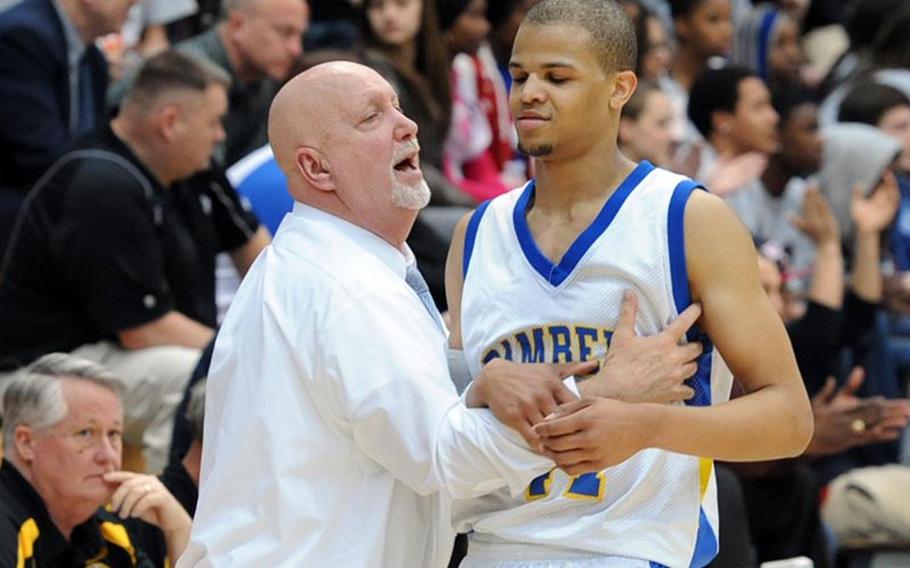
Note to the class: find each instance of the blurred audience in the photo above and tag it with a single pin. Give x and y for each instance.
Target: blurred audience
(53, 82)
(480, 150)
(258, 43)
(113, 257)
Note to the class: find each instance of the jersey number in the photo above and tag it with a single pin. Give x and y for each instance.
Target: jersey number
(587, 486)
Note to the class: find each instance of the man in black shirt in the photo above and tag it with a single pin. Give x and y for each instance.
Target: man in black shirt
(113, 257)
(62, 430)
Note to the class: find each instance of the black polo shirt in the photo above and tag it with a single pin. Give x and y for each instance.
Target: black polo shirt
(104, 247)
(30, 539)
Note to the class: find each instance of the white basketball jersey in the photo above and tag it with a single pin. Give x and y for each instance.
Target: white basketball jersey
(658, 507)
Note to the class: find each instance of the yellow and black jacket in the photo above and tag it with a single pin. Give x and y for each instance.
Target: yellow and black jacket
(29, 539)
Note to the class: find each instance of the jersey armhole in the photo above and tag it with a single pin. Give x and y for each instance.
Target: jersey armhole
(470, 236)
(676, 240)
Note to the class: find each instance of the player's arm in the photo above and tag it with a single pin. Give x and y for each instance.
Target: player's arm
(773, 420)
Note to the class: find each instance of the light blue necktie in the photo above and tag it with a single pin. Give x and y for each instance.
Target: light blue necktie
(415, 280)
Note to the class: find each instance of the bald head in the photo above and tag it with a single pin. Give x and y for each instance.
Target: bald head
(304, 111)
(340, 137)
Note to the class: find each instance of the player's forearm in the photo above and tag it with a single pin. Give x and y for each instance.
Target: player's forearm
(770, 423)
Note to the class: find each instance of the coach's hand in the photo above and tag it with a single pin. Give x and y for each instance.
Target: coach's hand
(592, 434)
(521, 394)
(647, 369)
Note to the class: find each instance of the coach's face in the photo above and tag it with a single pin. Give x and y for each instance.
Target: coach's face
(373, 147)
(560, 91)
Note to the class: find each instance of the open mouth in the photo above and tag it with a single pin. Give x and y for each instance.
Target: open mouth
(408, 164)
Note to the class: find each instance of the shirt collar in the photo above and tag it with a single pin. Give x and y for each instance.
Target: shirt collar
(75, 47)
(396, 259)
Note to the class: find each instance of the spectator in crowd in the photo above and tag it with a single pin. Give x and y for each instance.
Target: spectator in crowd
(731, 107)
(113, 257)
(646, 126)
(767, 207)
(888, 108)
(52, 87)
(402, 41)
(654, 53)
(767, 42)
(885, 62)
(782, 497)
(703, 30)
(480, 150)
(862, 22)
(62, 430)
(258, 43)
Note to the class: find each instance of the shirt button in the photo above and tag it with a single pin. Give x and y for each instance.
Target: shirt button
(149, 301)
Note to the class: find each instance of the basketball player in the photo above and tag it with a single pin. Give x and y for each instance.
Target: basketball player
(530, 274)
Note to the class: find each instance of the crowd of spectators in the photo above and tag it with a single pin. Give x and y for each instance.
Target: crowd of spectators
(137, 187)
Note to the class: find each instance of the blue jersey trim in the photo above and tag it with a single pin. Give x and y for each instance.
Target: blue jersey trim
(557, 274)
(470, 236)
(676, 237)
(764, 43)
(705, 542)
(682, 295)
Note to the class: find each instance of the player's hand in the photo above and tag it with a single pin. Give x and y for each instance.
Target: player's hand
(144, 497)
(591, 434)
(522, 394)
(647, 369)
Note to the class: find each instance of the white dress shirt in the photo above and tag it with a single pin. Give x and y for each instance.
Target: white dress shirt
(333, 434)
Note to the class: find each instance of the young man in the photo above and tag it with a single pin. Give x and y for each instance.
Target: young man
(535, 273)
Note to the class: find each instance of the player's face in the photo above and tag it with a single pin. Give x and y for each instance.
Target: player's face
(786, 55)
(754, 125)
(896, 122)
(67, 461)
(395, 22)
(801, 143)
(373, 150)
(560, 91)
(709, 27)
(651, 136)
